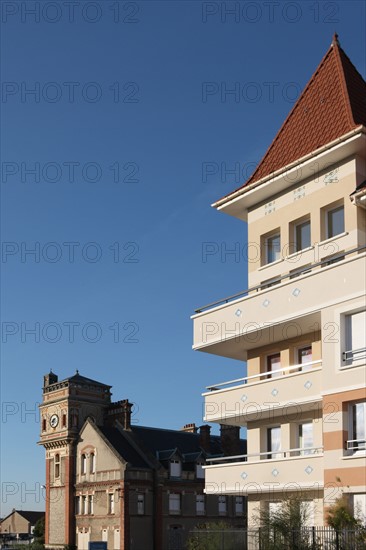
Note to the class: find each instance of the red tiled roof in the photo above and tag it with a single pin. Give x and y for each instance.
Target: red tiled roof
(332, 104)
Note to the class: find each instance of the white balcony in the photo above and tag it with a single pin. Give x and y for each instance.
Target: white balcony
(259, 317)
(293, 389)
(252, 474)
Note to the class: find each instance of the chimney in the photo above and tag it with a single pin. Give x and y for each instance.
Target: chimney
(121, 411)
(205, 437)
(230, 440)
(190, 428)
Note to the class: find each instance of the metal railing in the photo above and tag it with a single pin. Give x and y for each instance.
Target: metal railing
(268, 375)
(356, 445)
(354, 354)
(270, 455)
(261, 286)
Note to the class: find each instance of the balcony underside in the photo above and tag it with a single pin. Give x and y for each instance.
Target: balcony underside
(282, 312)
(265, 476)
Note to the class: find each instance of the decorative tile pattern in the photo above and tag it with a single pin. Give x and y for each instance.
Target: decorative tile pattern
(274, 392)
(269, 207)
(308, 470)
(308, 384)
(244, 475)
(244, 398)
(266, 303)
(296, 292)
(331, 177)
(275, 472)
(299, 193)
(238, 312)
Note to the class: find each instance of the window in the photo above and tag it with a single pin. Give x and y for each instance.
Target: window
(222, 506)
(44, 425)
(359, 506)
(175, 468)
(174, 503)
(300, 271)
(274, 508)
(239, 506)
(334, 222)
(90, 504)
(355, 337)
(77, 505)
(83, 463)
(357, 442)
(83, 505)
(306, 441)
(274, 364)
(304, 356)
(274, 442)
(272, 248)
(200, 505)
(110, 503)
(64, 420)
(140, 504)
(308, 512)
(333, 259)
(57, 465)
(92, 463)
(200, 473)
(302, 235)
(270, 282)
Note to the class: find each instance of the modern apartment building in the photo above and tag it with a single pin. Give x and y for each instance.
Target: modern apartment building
(301, 324)
(113, 481)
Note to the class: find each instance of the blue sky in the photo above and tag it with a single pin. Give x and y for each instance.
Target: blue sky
(131, 133)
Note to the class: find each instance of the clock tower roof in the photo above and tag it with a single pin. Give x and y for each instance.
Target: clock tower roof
(332, 104)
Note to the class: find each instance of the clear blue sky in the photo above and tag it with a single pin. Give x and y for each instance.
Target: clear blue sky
(140, 92)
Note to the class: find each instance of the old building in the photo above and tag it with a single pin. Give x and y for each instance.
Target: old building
(301, 324)
(135, 487)
(19, 524)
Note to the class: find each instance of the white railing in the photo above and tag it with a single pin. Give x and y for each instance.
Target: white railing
(354, 354)
(270, 455)
(302, 367)
(356, 445)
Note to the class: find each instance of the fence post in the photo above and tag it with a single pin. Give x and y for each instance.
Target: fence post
(222, 540)
(313, 536)
(337, 540)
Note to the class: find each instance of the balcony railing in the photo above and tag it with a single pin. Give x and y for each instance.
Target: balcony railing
(354, 355)
(265, 376)
(355, 445)
(268, 455)
(306, 269)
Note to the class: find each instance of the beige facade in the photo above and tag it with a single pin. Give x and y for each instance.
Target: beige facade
(301, 329)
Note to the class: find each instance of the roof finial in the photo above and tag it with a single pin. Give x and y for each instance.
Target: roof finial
(335, 41)
(77, 372)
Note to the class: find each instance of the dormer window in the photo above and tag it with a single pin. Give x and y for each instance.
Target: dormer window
(175, 468)
(200, 473)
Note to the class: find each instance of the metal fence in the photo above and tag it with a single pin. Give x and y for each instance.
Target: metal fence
(307, 538)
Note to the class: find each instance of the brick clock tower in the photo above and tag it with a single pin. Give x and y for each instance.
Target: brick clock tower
(65, 407)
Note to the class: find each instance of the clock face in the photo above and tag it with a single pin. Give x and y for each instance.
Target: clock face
(54, 421)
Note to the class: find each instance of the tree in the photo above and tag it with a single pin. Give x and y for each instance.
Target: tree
(38, 530)
(285, 527)
(350, 531)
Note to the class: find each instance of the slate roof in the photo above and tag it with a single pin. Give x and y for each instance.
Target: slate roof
(78, 379)
(143, 446)
(332, 104)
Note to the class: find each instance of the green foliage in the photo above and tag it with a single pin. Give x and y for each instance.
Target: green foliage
(284, 528)
(212, 536)
(342, 519)
(38, 531)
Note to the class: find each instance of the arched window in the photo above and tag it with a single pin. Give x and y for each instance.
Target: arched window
(57, 466)
(83, 464)
(92, 463)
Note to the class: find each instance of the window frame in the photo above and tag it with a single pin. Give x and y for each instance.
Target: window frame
(298, 246)
(273, 454)
(222, 505)
(140, 504)
(83, 466)
(57, 464)
(348, 341)
(177, 499)
(200, 505)
(268, 250)
(239, 504)
(327, 212)
(354, 449)
(304, 451)
(111, 503)
(92, 462)
(269, 371)
(175, 464)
